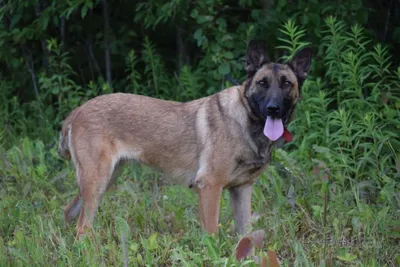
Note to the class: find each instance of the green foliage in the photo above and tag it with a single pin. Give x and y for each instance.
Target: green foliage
(58, 91)
(134, 77)
(292, 39)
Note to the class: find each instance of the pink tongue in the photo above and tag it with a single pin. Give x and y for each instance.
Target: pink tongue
(273, 128)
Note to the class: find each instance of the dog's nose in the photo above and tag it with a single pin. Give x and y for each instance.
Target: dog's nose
(273, 108)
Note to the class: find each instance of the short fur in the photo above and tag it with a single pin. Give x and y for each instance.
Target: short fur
(210, 144)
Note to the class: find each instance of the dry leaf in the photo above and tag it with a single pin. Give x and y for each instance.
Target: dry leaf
(244, 248)
(247, 243)
(271, 260)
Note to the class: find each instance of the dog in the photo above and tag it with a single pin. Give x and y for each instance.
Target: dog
(222, 141)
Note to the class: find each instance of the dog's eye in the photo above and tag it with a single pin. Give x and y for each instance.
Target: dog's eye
(263, 83)
(287, 83)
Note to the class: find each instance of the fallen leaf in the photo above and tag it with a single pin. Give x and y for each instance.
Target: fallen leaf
(271, 260)
(247, 243)
(244, 248)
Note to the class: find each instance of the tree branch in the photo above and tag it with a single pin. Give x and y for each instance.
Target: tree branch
(31, 68)
(89, 45)
(183, 57)
(42, 42)
(62, 33)
(107, 40)
(387, 21)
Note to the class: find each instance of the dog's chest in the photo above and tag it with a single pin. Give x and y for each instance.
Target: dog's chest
(248, 164)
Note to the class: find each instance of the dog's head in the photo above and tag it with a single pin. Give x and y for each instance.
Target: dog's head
(273, 89)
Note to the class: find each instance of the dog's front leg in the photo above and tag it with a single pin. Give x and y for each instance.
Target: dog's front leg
(241, 206)
(209, 197)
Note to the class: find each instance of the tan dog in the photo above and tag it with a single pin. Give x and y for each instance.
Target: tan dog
(222, 141)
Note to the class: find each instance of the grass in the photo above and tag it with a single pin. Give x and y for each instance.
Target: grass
(143, 222)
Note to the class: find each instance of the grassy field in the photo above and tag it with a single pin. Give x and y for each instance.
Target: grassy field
(144, 222)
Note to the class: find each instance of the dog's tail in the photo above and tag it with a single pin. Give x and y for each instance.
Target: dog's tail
(63, 142)
(65, 148)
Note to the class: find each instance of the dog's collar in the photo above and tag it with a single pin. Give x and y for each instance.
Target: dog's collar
(287, 135)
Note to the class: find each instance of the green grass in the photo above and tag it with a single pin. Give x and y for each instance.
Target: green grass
(144, 222)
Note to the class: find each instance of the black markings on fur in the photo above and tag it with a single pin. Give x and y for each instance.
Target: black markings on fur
(287, 108)
(257, 134)
(252, 99)
(249, 168)
(282, 80)
(211, 119)
(239, 164)
(219, 105)
(255, 57)
(192, 181)
(275, 68)
(247, 85)
(254, 169)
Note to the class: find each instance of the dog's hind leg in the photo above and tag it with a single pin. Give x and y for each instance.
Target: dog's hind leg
(92, 187)
(96, 167)
(72, 209)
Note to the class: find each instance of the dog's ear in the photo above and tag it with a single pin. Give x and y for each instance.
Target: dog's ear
(301, 63)
(255, 58)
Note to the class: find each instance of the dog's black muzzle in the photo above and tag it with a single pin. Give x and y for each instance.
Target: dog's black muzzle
(272, 108)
